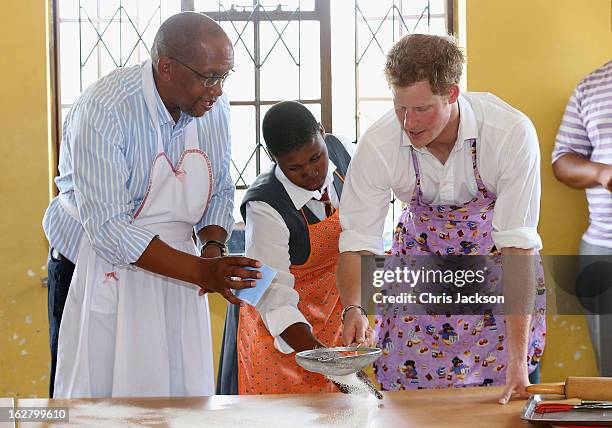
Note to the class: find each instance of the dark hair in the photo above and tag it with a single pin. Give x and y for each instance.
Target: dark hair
(418, 57)
(287, 126)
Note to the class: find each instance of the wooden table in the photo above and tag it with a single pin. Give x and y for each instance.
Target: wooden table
(467, 407)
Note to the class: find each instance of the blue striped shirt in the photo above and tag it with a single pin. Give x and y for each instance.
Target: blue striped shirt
(586, 130)
(108, 147)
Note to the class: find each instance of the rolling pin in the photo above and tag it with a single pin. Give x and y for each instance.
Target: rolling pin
(585, 388)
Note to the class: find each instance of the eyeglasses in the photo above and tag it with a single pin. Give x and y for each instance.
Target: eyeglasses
(207, 81)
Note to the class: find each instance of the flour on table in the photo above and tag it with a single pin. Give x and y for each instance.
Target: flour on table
(282, 412)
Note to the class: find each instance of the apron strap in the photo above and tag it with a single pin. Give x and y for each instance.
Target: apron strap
(191, 136)
(309, 216)
(148, 86)
(479, 182)
(417, 194)
(338, 183)
(191, 130)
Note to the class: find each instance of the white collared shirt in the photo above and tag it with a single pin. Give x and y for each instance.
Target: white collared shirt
(508, 158)
(267, 240)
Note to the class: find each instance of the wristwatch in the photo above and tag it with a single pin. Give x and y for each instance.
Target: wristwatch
(219, 244)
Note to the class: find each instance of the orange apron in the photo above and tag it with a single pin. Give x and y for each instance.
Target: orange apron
(262, 369)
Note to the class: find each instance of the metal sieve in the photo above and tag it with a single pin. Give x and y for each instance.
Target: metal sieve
(337, 361)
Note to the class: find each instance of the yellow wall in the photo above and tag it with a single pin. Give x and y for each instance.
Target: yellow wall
(24, 187)
(532, 53)
(529, 52)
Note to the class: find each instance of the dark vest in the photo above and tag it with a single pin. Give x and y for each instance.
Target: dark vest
(268, 189)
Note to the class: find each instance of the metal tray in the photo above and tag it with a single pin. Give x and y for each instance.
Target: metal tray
(596, 417)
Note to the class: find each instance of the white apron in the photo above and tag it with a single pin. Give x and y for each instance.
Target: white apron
(127, 332)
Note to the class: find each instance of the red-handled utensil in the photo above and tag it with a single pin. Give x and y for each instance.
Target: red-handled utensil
(556, 407)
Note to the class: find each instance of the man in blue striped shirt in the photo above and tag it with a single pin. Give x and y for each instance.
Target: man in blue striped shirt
(112, 138)
(582, 159)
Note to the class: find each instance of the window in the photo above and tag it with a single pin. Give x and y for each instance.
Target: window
(97, 36)
(282, 51)
(92, 37)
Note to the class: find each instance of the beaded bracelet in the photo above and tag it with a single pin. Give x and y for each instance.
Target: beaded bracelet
(348, 308)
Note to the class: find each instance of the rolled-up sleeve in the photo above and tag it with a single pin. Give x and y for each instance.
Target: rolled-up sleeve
(267, 240)
(517, 209)
(220, 209)
(365, 200)
(103, 201)
(572, 136)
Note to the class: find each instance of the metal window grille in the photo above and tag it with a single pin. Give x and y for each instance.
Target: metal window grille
(93, 37)
(282, 51)
(286, 45)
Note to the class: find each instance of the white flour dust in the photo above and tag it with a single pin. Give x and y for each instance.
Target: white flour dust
(94, 415)
(353, 384)
(357, 412)
(273, 412)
